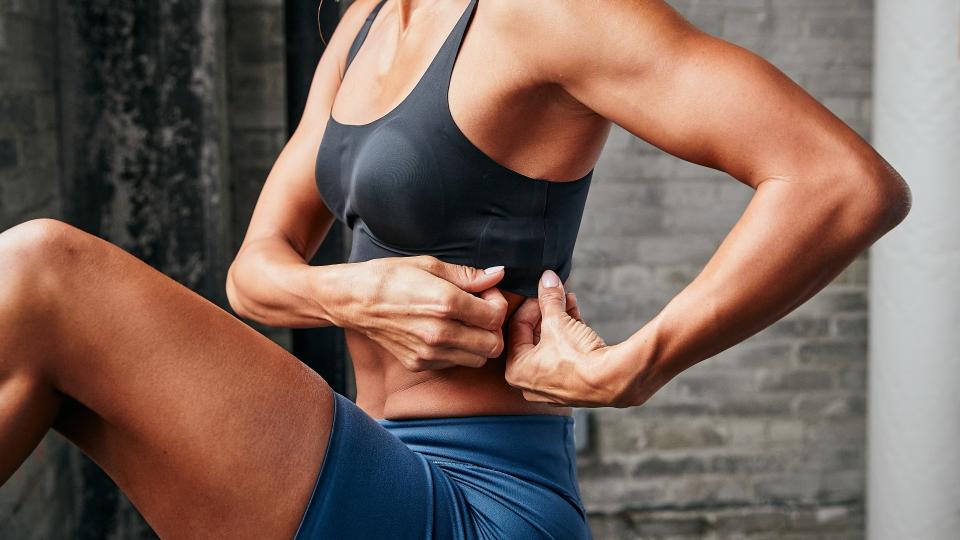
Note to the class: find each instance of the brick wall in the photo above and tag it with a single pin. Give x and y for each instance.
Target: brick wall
(766, 439)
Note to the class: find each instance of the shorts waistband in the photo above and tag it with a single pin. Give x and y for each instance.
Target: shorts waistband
(534, 447)
(476, 419)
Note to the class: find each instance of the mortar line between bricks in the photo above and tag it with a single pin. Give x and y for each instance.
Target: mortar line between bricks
(720, 506)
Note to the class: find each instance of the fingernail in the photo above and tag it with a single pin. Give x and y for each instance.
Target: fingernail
(493, 269)
(550, 279)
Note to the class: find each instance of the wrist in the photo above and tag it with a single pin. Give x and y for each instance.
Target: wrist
(330, 293)
(631, 368)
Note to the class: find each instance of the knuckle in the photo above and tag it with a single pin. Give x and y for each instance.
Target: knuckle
(465, 273)
(553, 296)
(424, 262)
(433, 335)
(429, 354)
(510, 375)
(445, 303)
(432, 263)
(420, 260)
(477, 362)
(497, 349)
(499, 316)
(530, 396)
(414, 364)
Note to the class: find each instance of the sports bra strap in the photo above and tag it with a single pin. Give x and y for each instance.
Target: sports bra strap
(362, 34)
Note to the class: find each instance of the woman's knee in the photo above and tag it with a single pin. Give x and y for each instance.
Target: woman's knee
(34, 258)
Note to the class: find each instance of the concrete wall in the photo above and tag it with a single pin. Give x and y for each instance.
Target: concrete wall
(767, 439)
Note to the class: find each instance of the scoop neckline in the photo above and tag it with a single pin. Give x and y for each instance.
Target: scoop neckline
(446, 110)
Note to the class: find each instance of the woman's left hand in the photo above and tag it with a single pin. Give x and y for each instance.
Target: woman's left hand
(552, 355)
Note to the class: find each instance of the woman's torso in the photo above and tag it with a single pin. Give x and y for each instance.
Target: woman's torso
(524, 129)
(385, 389)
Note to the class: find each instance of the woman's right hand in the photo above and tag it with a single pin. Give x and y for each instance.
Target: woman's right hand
(424, 311)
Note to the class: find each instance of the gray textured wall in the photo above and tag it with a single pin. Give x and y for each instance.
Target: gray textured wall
(257, 104)
(29, 148)
(141, 162)
(767, 439)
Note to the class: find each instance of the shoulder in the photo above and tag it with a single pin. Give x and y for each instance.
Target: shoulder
(359, 8)
(564, 39)
(354, 16)
(347, 29)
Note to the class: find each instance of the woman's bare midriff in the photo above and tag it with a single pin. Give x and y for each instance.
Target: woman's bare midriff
(386, 389)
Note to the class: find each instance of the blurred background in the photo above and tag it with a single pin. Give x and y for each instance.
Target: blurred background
(154, 124)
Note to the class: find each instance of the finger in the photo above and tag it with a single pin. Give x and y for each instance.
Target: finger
(551, 295)
(466, 278)
(553, 400)
(537, 397)
(435, 365)
(486, 312)
(523, 323)
(528, 312)
(499, 302)
(457, 357)
(462, 337)
(572, 308)
(420, 365)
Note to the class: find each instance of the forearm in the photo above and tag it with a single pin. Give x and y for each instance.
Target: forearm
(269, 282)
(793, 239)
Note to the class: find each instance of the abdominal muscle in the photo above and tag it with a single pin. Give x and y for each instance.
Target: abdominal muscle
(386, 389)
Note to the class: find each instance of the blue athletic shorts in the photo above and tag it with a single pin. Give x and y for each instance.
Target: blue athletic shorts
(477, 477)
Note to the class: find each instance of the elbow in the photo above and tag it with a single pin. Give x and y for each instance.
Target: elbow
(882, 199)
(893, 203)
(901, 202)
(235, 294)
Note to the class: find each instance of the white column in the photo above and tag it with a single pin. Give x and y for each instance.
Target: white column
(913, 486)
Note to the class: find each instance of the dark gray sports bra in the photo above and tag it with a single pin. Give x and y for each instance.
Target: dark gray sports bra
(411, 183)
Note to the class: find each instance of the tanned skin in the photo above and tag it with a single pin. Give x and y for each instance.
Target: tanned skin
(214, 431)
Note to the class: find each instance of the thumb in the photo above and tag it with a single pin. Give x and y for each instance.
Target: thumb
(468, 278)
(553, 300)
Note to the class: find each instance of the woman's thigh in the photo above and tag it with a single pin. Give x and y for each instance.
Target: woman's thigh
(210, 428)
